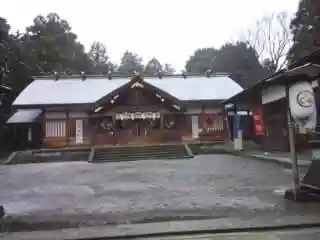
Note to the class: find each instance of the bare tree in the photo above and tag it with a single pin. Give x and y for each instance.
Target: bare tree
(271, 38)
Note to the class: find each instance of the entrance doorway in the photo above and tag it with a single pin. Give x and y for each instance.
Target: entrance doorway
(137, 131)
(138, 127)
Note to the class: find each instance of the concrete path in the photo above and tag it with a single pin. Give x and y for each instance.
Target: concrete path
(227, 228)
(283, 159)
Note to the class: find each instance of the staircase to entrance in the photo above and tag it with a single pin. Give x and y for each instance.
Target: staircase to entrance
(141, 152)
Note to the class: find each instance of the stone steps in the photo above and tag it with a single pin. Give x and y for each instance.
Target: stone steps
(130, 153)
(50, 155)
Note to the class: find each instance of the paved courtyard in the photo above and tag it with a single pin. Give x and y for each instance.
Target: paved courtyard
(211, 186)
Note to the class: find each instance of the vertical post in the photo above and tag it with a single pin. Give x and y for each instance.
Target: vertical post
(293, 152)
(68, 119)
(114, 128)
(234, 123)
(161, 121)
(226, 123)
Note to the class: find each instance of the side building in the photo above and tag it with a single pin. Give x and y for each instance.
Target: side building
(268, 99)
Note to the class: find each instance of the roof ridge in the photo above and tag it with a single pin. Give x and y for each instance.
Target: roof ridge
(117, 76)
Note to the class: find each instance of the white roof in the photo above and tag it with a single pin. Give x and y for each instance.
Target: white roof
(67, 91)
(24, 116)
(197, 87)
(76, 91)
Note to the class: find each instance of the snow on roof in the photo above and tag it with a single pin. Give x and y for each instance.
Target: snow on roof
(67, 91)
(24, 116)
(77, 91)
(197, 87)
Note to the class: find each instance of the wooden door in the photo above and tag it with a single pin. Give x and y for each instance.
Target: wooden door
(136, 132)
(276, 138)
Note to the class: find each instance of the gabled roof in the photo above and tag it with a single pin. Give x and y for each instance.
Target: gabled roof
(74, 90)
(195, 88)
(67, 91)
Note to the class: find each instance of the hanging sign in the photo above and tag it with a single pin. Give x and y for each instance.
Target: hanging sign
(257, 121)
(302, 104)
(79, 131)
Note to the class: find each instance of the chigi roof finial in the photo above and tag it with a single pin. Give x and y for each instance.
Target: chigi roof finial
(209, 73)
(109, 75)
(83, 76)
(183, 73)
(56, 76)
(136, 73)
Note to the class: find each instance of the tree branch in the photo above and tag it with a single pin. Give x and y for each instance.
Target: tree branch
(271, 39)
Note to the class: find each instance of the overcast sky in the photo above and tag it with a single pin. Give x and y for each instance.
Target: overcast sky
(168, 29)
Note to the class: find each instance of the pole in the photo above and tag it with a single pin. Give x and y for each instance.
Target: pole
(234, 125)
(293, 153)
(226, 123)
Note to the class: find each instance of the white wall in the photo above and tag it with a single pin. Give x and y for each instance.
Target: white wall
(272, 94)
(275, 93)
(206, 110)
(195, 127)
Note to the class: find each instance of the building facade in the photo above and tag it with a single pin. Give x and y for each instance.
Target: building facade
(74, 111)
(271, 97)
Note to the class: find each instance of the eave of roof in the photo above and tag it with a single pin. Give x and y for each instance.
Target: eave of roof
(74, 106)
(309, 71)
(24, 116)
(5, 87)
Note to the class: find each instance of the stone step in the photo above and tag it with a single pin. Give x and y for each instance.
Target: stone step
(136, 158)
(139, 155)
(50, 156)
(123, 153)
(106, 152)
(144, 148)
(141, 149)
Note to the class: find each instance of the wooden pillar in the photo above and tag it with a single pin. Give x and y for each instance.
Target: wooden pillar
(114, 128)
(68, 119)
(226, 122)
(161, 121)
(234, 122)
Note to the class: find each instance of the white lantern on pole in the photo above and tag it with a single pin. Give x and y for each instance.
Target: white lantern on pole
(302, 105)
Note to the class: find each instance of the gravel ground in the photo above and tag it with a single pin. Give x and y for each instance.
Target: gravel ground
(57, 195)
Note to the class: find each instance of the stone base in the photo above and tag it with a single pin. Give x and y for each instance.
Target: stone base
(302, 195)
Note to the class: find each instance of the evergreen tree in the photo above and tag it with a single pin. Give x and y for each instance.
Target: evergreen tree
(305, 28)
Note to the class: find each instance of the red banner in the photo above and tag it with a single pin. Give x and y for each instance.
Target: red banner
(257, 121)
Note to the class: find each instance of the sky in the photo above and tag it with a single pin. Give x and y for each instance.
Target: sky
(170, 30)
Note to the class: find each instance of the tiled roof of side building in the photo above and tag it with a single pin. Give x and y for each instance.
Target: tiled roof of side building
(48, 91)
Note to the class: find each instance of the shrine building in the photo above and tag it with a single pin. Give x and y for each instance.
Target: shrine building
(60, 111)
